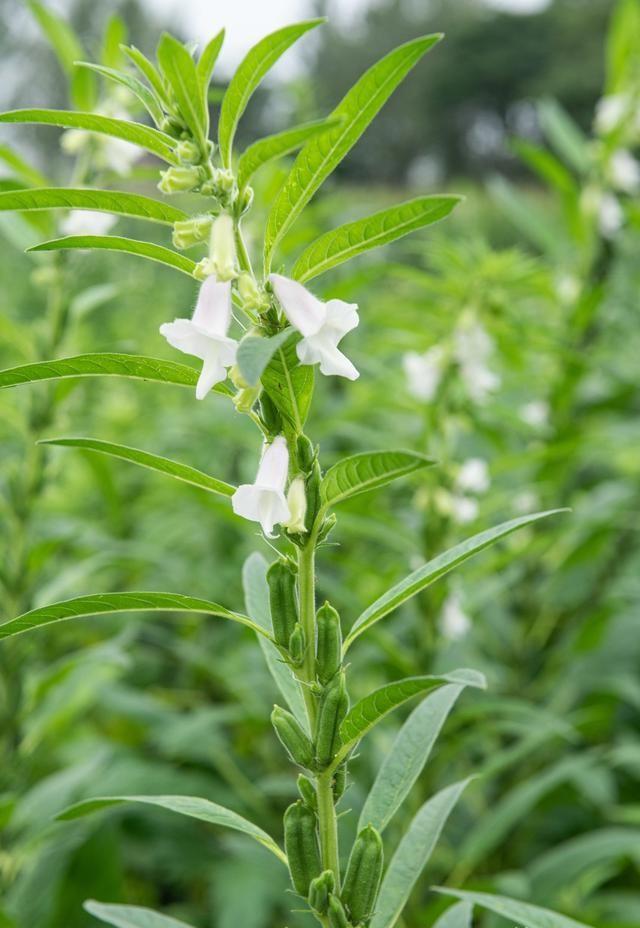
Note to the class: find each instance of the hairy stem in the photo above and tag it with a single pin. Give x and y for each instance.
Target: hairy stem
(328, 826)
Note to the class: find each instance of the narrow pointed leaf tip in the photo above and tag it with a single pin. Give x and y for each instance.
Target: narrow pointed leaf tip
(130, 916)
(430, 572)
(522, 913)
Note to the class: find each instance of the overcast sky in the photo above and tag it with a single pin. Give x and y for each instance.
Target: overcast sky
(246, 21)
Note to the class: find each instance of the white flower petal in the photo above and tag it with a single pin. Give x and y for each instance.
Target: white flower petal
(341, 317)
(423, 372)
(453, 622)
(213, 307)
(305, 312)
(186, 337)
(87, 222)
(473, 476)
(274, 465)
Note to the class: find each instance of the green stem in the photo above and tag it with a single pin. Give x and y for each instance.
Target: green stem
(306, 585)
(328, 826)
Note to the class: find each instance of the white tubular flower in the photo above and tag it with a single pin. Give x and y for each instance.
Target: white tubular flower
(472, 349)
(454, 623)
(205, 335)
(264, 501)
(297, 503)
(322, 326)
(423, 372)
(473, 476)
(87, 222)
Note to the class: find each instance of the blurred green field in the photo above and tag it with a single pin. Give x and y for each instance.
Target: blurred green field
(504, 343)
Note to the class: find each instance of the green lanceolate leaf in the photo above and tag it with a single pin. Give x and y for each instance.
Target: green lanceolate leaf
(427, 574)
(289, 383)
(366, 713)
(321, 155)
(130, 916)
(108, 201)
(529, 916)
(258, 61)
(405, 761)
(105, 365)
(412, 854)
(254, 354)
(110, 603)
(207, 62)
(154, 462)
(148, 70)
(354, 238)
(68, 49)
(458, 916)
(256, 597)
(192, 806)
(116, 243)
(275, 146)
(21, 168)
(180, 71)
(135, 86)
(367, 471)
(152, 140)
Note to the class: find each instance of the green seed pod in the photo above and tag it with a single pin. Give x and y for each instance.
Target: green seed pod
(329, 648)
(297, 646)
(334, 705)
(283, 601)
(313, 495)
(270, 415)
(340, 782)
(364, 872)
(319, 891)
(306, 453)
(295, 741)
(337, 915)
(301, 846)
(307, 791)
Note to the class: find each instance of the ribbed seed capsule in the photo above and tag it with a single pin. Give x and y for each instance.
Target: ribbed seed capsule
(364, 872)
(305, 452)
(312, 487)
(329, 648)
(339, 782)
(270, 414)
(337, 915)
(297, 645)
(319, 891)
(294, 739)
(307, 791)
(301, 846)
(334, 705)
(283, 601)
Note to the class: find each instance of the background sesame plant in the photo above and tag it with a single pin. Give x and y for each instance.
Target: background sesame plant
(277, 411)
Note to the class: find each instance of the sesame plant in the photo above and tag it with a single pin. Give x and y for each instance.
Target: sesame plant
(262, 339)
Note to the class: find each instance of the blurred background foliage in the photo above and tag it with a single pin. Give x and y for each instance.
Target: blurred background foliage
(504, 343)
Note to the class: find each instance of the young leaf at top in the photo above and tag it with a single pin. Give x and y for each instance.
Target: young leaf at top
(321, 155)
(275, 146)
(412, 854)
(191, 806)
(155, 462)
(180, 71)
(105, 365)
(529, 916)
(427, 574)
(110, 603)
(206, 64)
(368, 471)
(130, 916)
(366, 713)
(258, 61)
(135, 86)
(114, 37)
(354, 238)
(148, 70)
(254, 354)
(405, 761)
(116, 243)
(152, 140)
(108, 201)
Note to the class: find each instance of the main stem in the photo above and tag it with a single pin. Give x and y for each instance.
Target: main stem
(327, 819)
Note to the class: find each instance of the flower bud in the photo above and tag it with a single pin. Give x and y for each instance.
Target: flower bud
(301, 846)
(245, 399)
(247, 199)
(297, 502)
(250, 293)
(283, 601)
(188, 152)
(295, 741)
(314, 502)
(222, 248)
(297, 646)
(364, 872)
(306, 453)
(180, 179)
(307, 791)
(172, 126)
(329, 647)
(188, 232)
(319, 891)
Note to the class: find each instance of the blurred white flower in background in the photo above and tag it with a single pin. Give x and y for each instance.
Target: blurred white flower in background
(610, 111)
(473, 476)
(526, 501)
(567, 288)
(610, 215)
(87, 222)
(453, 621)
(113, 154)
(423, 372)
(463, 509)
(535, 413)
(624, 171)
(473, 346)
